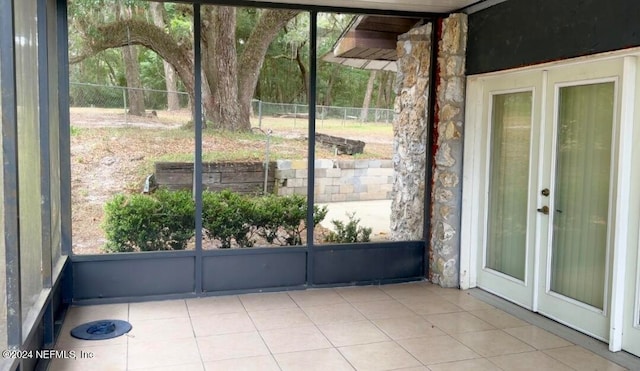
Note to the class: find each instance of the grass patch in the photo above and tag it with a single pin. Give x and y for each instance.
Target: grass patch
(75, 131)
(328, 126)
(237, 155)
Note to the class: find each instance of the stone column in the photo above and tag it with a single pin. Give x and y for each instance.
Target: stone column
(447, 169)
(410, 127)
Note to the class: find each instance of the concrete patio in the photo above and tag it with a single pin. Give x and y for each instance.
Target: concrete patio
(372, 214)
(414, 326)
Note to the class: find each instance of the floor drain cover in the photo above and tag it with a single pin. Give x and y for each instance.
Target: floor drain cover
(100, 330)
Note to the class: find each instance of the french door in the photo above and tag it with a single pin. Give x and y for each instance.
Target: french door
(576, 236)
(549, 197)
(511, 117)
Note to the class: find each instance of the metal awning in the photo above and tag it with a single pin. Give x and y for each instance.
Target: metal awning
(366, 64)
(419, 6)
(369, 42)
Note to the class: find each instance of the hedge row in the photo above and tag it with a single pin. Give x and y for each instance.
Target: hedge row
(165, 220)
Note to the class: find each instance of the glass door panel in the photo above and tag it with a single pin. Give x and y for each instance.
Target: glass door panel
(581, 207)
(509, 179)
(509, 144)
(577, 243)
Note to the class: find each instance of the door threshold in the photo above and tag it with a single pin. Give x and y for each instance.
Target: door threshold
(596, 346)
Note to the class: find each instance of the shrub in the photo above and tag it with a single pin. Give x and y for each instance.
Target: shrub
(131, 223)
(350, 232)
(178, 217)
(228, 217)
(164, 221)
(268, 219)
(281, 220)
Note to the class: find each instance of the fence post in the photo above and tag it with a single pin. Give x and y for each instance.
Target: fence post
(266, 162)
(260, 114)
(344, 117)
(124, 99)
(295, 114)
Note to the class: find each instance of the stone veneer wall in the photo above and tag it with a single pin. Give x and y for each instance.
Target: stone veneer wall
(411, 148)
(336, 181)
(410, 127)
(446, 203)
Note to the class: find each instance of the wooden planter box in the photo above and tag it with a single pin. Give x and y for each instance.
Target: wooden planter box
(240, 177)
(342, 145)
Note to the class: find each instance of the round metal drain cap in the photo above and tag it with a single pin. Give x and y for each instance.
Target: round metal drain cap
(100, 330)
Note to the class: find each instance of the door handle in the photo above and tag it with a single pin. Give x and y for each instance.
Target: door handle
(544, 210)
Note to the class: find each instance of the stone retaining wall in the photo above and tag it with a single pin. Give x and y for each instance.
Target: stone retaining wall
(339, 180)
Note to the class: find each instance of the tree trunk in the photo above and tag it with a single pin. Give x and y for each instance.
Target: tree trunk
(131, 71)
(335, 68)
(389, 89)
(270, 23)
(381, 84)
(208, 102)
(364, 114)
(303, 73)
(228, 113)
(173, 102)
(384, 75)
(113, 79)
(134, 86)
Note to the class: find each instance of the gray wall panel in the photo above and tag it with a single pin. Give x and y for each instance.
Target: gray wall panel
(136, 277)
(369, 264)
(254, 271)
(522, 32)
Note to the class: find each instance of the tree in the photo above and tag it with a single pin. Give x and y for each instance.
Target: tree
(173, 103)
(385, 89)
(229, 78)
(367, 97)
(132, 72)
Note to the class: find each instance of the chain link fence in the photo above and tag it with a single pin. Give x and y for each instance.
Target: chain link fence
(117, 97)
(109, 96)
(301, 111)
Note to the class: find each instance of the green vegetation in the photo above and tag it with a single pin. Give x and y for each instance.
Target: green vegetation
(350, 232)
(165, 220)
(228, 217)
(74, 131)
(282, 220)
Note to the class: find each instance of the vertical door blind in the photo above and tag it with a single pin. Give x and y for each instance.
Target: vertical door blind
(581, 209)
(508, 184)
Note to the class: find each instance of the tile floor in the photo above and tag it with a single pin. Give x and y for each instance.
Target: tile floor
(415, 326)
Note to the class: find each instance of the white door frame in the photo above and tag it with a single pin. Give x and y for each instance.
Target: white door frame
(627, 302)
(625, 278)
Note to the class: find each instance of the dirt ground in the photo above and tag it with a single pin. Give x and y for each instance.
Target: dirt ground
(113, 153)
